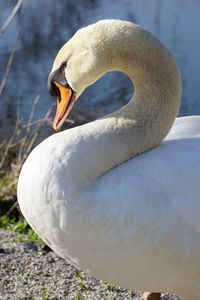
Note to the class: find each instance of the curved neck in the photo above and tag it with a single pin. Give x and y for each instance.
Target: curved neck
(141, 124)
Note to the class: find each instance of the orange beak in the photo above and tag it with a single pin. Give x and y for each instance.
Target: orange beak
(64, 105)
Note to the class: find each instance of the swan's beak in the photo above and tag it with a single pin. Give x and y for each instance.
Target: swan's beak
(65, 102)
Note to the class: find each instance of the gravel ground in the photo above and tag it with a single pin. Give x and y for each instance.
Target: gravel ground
(27, 271)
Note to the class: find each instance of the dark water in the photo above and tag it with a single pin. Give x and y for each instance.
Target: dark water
(45, 25)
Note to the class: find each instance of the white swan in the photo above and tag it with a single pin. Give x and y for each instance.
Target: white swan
(132, 221)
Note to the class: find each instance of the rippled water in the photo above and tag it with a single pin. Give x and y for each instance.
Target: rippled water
(46, 25)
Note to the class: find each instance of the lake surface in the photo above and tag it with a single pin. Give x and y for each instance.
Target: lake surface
(45, 25)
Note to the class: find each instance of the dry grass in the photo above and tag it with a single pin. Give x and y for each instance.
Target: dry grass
(15, 148)
(19, 141)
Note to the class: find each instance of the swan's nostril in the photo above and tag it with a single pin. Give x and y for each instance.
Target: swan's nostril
(59, 96)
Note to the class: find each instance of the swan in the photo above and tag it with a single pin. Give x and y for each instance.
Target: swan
(110, 195)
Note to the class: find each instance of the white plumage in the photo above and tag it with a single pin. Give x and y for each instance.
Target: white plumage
(126, 218)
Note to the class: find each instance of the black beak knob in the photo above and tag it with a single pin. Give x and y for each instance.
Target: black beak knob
(59, 77)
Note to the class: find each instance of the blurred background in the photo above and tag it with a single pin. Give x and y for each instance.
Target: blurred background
(40, 28)
(32, 31)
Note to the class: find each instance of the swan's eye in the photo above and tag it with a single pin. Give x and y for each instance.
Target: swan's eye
(63, 65)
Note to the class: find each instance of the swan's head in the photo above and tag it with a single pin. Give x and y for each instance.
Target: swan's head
(81, 62)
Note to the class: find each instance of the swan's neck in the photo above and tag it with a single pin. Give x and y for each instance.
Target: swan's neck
(142, 123)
